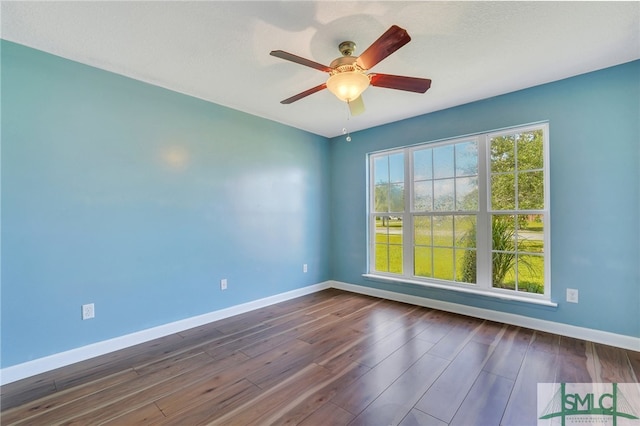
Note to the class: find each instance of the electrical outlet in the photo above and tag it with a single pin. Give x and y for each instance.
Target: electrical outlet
(223, 284)
(572, 295)
(88, 311)
(304, 268)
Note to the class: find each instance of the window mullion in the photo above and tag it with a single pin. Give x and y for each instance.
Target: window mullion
(407, 217)
(483, 225)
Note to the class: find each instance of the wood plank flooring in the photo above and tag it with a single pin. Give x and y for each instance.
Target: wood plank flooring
(330, 358)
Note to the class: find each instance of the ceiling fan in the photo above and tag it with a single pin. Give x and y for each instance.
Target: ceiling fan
(347, 74)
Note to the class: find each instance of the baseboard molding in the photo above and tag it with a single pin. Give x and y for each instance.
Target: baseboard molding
(598, 336)
(62, 359)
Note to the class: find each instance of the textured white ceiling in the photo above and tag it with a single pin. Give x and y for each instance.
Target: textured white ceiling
(219, 51)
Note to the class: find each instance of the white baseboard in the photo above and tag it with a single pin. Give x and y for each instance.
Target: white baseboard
(597, 336)
(41, 365)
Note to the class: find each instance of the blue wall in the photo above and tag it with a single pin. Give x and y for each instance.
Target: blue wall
(140, 200)
(595, 178)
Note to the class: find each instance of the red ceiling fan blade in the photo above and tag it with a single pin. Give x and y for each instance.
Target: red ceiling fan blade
(299, 60)
(304, 94)
(393, 39)
(398, 82)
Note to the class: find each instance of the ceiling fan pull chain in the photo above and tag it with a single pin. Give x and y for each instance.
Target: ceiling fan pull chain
(344, 129)
(346, 132)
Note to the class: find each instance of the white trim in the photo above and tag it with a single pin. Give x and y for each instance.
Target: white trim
(597, 336)
(61, 359)
(460, 288)
(48, 363)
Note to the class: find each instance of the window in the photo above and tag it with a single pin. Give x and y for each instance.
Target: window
(468, 213)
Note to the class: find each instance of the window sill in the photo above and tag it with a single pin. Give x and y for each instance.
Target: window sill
(502, 296)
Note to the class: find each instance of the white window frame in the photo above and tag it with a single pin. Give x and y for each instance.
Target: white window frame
(483, 245)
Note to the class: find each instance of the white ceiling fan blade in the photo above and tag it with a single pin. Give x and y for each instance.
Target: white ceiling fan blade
(356, 106)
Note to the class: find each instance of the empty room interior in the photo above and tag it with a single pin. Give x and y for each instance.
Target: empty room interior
(320, 213)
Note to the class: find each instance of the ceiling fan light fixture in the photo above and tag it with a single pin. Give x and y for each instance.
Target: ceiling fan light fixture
(347, 86)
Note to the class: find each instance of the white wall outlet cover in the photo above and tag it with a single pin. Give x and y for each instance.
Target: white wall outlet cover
(88, 311)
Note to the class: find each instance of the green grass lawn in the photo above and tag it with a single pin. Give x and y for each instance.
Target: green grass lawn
(438, 262)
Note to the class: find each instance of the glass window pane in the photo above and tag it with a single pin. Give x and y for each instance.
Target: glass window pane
(503, 233)
(395, 230)
(443, 231)
(395, 259)
(531, 190)
(382, 229)
(396, 168)
(530, 233)
(422, 166)
(382, 257)
(443, 194)
(467, 194)
(422, 196)
(466, 266)
(396, 197)
(388, 244)
(381, 198)
(530, 150)
(422, 230)
(503, 270)
(503, 154)
(503, 192)
(381, 170)
(531, 273)
(466, 159)
(465, 231)
(443, 162)
(422, 262)
(443, 263)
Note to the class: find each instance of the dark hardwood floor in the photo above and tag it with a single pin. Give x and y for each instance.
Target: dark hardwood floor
(330, 358)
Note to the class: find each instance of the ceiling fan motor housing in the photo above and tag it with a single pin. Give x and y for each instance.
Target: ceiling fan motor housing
(345, 64)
